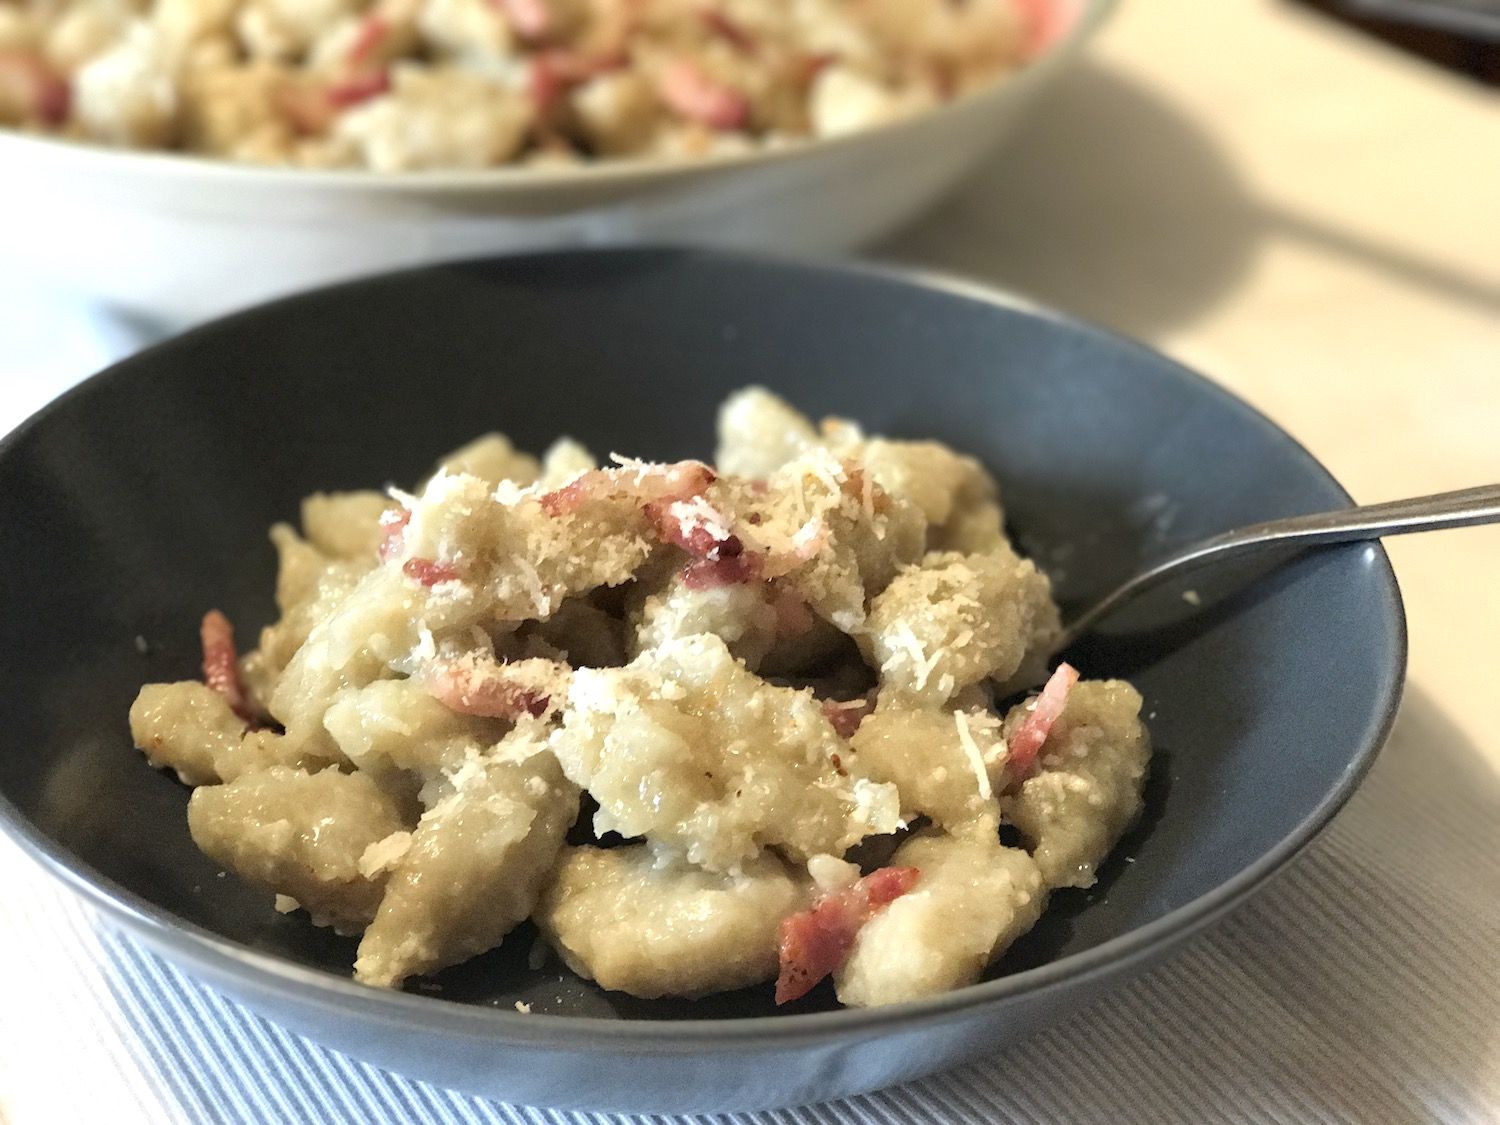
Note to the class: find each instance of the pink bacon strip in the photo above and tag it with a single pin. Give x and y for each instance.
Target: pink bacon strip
(847, 717)
(1027, 741)
(655, 483)
(692, 93)
(221, 663)
(530, 19)
(429, 572)
(473, 685)
(31, 84)
(817, 942)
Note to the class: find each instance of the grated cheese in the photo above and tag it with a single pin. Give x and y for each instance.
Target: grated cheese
(831, 476)
(384, 854)
(801, 497)
(809, 538)
(971, 751)
(426, 648)
(699, 513)
(830, 873)
(907, 645)
(922, 665)
(533, 582)
(635, 465)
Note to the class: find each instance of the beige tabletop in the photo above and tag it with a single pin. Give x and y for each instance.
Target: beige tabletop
(1313, 220)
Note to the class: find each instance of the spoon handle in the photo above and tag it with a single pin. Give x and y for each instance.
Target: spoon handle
(1465, 508)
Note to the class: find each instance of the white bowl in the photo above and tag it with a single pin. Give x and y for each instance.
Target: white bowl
(182, 238)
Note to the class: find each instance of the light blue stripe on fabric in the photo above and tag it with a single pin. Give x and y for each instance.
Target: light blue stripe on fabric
(359, 1077)
(72, 919)
(144, 1015)
(211, 1041)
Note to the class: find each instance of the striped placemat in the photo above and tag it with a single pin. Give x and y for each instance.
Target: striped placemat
(1362, 986)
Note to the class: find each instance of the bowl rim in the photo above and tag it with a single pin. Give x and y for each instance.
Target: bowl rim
(622, 171)
(296, 982)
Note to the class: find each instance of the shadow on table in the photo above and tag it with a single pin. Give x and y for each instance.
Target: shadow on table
(1360, 986)
(1113, 205)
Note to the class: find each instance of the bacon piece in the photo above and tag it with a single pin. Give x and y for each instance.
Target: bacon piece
(846, 717)
(692, 93)
(695, 526)
(392, 532)
(482, 686)
(682, 480)
(1026, 743)
(575, 494)
(1044, 23)
(710, 574)
(32, 89)
(530, 19)
(221, 663)
(648, 484)
(816, 942)
(729, 30)
(312, 108)
(429, 572)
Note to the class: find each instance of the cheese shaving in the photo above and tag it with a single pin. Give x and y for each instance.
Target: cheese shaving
(533, 582)
(831, 476)
(699, 513)
(809, 538)
(634, 464)
(971, 751)
(426, 647)
(384, 854)
(922, 665)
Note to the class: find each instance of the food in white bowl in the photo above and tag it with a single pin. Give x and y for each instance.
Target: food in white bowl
(175, 237)
(402, 85)
(775, 679)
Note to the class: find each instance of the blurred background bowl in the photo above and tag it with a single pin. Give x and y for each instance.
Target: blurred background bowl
(179, 238)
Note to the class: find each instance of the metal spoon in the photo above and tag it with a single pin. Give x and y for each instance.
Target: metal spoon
(1465, 508)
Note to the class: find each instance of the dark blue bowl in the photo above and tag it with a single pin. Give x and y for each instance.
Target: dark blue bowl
(143, 497)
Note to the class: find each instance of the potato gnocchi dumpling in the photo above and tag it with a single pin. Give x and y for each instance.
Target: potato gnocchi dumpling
(774, 680)
(689, 749)
(420, 85)
(633, 924)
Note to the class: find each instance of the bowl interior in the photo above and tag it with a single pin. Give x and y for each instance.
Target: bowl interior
(143, 498)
